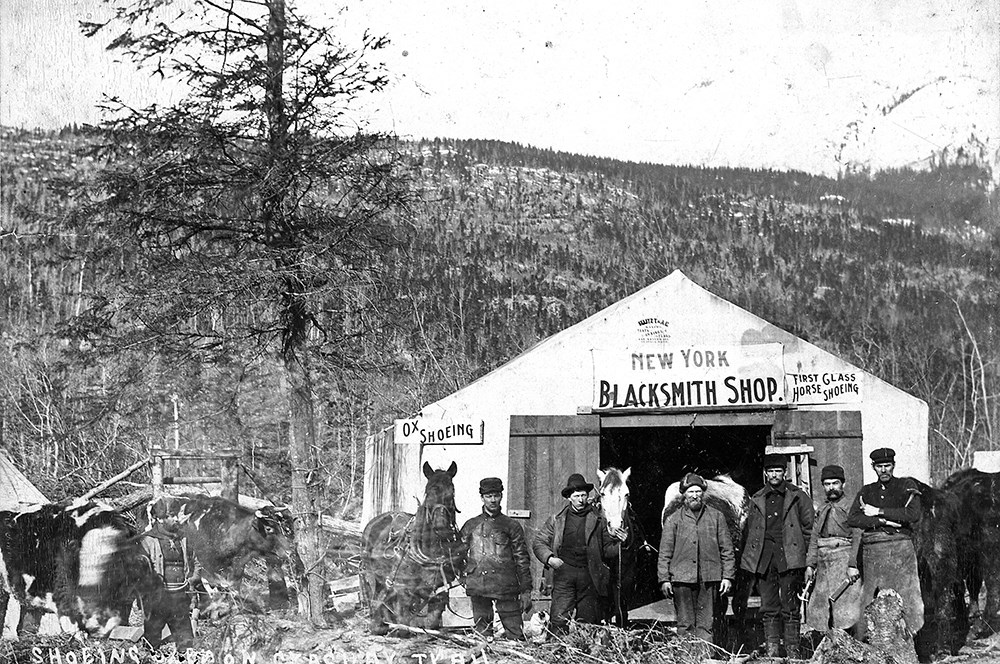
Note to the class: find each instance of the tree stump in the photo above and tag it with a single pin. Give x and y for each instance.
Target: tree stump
(889, 641)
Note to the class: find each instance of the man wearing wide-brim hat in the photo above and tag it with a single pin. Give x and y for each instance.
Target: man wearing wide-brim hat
(575, 545)
(886, 511)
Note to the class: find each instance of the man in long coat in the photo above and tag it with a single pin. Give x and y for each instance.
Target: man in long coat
(832, 558)
(696, 561)
(778, 531)
(498, 568)
(886, 511)
(575, 544)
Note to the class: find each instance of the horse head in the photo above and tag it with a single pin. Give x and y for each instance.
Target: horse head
(437, 511)
(614, 493)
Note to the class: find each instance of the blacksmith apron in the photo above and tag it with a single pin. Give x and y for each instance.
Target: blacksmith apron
(891, 562)
(833, 556)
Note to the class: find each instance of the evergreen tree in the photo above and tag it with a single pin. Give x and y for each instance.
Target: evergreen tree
(247, 217)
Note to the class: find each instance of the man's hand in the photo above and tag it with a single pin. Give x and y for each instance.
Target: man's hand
(526, 601)
(619, 533)
(555, 562)
(869, 510)
(725, 586)
(853, 573)
(667, 589)
(810, 573)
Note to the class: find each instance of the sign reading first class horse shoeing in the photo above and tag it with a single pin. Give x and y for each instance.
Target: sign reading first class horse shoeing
(438, 431)
(688, 377)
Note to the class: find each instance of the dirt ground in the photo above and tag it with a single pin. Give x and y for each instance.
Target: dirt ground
(278, 638)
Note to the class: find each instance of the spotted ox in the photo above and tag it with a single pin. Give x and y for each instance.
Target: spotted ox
(83, 562)
(224, 536)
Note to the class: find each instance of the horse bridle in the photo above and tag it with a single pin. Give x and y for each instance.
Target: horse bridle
(415, 552)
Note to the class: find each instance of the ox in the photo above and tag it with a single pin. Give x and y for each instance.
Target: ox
(946, 621)
(224, 536)
(83, 562)
(978, 540)
(733, 501)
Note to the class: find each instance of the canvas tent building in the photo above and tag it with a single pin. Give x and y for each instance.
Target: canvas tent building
(15, 489)
(670, 379)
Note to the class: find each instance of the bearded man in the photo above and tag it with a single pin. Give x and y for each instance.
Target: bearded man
(832, 558)
(696, 562)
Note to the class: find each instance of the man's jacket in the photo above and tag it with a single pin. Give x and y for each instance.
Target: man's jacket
(696, 547)
(796, 527)
(498, 565)
(899, 499)
(600, 545)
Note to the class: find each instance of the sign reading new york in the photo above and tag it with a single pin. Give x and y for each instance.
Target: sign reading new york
(662, 378)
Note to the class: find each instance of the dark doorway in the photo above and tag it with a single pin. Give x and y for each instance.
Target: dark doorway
(659, 456)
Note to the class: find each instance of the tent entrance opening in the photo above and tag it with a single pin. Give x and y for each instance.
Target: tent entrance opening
(659, 456)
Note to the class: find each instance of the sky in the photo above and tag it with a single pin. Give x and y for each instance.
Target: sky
(776, 83)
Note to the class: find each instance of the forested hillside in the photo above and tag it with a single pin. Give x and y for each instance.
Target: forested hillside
(502, 246)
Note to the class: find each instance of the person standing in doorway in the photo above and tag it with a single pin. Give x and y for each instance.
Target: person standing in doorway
(832, 558)
(887, 510)
(778, 531)
(576, 545)
(498, 569)
(696, 561)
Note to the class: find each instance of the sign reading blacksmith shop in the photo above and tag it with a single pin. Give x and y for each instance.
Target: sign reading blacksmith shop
(439, 431)
(658, 378)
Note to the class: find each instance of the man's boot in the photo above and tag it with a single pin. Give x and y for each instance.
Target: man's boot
(772, 632)
(792, 639)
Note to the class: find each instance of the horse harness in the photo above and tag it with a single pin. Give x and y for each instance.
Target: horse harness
(406, 545)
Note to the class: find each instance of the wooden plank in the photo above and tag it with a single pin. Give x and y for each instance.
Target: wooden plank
(193, 454)
(808, 435)
(197, 479)
(747, 418)
(554, 425)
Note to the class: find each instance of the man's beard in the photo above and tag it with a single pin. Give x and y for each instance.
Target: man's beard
(834, 494)
(694, 505)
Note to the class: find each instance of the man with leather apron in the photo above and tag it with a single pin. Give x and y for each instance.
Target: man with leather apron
(886, 511)
(832, 560)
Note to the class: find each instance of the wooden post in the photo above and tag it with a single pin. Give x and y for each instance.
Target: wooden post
(230, 478)
(157, 473)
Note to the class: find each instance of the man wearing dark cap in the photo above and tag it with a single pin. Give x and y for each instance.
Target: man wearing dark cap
(778, 530)
(696, 560)
(575, 545)
(832, 558)
(498, 567)
(886, 511)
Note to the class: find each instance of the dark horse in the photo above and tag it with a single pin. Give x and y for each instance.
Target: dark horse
(409, 561)
(618, 513)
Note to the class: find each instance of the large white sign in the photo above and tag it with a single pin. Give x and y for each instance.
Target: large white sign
(438, 431)
(824, 387)
(661, 378)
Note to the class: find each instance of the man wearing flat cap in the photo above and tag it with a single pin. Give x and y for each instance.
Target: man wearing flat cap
(886, 511)
(576, 545)
(778, 529)
(498, 568)
(696, 560)
(832, 558)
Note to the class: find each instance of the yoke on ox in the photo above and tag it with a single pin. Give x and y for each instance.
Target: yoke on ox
(408, 561)
(222, 536)
(83, 562)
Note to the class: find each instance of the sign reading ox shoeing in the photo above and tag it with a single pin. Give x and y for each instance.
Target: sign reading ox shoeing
(437, 431)
(688, 377)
